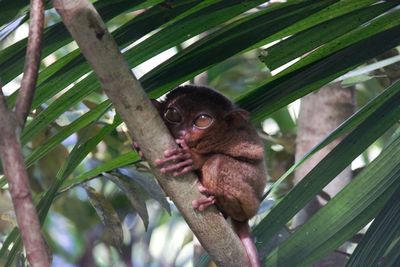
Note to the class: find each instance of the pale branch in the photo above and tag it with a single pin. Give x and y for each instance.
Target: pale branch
(32, 61)
(146, 127)
(11, 151)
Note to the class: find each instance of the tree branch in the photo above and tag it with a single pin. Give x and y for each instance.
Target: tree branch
(147, 128)
(10, 146)
(17, 177)
(32, 60)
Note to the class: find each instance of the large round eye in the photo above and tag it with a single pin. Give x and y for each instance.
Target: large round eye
(203, 121)
(172, 115)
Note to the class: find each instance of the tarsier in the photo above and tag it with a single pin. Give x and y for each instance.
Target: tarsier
(216, 141)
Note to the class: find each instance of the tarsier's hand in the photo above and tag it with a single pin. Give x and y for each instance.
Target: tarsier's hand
(177, 161)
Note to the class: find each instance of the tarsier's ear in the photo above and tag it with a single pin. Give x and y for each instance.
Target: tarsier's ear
(237, 117)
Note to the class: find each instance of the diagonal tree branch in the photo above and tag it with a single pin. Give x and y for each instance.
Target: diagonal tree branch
(10, 146)
(32, 60)
(146, 127)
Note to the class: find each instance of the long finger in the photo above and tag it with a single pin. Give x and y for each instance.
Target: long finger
(177, 166)
(178, 157)
(173, 151)
(183, 171)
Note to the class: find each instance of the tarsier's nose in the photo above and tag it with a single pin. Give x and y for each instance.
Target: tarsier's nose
(182, 133)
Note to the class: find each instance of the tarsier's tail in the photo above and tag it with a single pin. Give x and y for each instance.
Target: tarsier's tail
(242, 229)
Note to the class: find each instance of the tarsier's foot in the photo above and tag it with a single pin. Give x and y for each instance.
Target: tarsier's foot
(203, 190)
(202, 203)
(177, 161)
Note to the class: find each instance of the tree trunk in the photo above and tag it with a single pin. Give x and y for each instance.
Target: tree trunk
(320, 113)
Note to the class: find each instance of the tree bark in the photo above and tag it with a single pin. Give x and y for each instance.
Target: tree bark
(18, 182)
(320, 113)
(146, 127)
(11, 124)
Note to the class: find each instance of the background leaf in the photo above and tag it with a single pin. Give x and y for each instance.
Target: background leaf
(107, 215)
(357, 204)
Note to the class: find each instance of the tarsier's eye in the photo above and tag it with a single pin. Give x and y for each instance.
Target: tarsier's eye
(203, 121)
(172, 115)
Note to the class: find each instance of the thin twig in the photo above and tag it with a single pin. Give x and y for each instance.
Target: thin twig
(32, 60)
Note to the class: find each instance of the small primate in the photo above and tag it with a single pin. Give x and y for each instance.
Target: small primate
(217, 142)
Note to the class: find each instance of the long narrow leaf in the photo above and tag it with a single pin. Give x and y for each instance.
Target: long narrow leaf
(56, 36)
(392, 258)
(177, 31)
(89, 84)
(383, 232)
(83, 88)
(225, 43)
(86, 119)
(118, 162)
(345, 214)
(13, 238)
(134, 193)
(149, 185)
(287, 88)
(89, 117)
(283, 90)
(190, 26)
(107, 215)
(73, 66)
(320, 34)
(10, 9)
(379, 24)
(11, 27)
(59, 106)
(60, 109)
(329, 167)
(355, 120)
(332, 11)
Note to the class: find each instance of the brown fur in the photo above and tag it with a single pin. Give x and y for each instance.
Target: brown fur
(228, 156)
